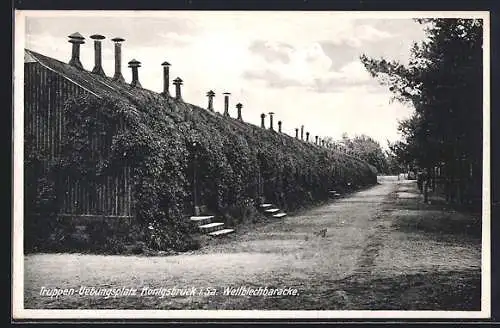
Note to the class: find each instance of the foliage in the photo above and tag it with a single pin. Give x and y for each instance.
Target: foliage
(443, 81)
(165, 141)
(394, 165)
(367, 149)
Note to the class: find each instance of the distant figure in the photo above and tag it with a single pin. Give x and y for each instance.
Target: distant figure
(426, 183)
(411, 175)
(420, 181)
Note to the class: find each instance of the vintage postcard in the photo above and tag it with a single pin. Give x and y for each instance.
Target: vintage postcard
(232, 164)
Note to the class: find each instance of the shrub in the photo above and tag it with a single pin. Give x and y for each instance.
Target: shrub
(163, 141)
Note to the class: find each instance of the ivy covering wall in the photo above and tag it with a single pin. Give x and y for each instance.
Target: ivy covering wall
(164, 141)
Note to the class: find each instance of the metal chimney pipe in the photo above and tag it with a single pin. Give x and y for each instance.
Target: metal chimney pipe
(210, 95)
(166, 78)
(307, 136)
(98, 54)
(226, 103)
(76, 39)
(296, 133)
(279, 126)
(238, 107)
(134, 65)
(118, 59)
(262, 123)
(271, 121)
(178, 82)
(316, 140)
(301, 132)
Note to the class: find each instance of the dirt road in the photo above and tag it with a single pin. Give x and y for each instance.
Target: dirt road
(383, 249)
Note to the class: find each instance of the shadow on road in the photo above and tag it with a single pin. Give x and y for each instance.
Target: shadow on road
(383, 249)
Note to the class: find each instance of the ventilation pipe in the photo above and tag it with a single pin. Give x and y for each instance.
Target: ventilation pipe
(76, 39)
(238, 107)
(210, 95)
(98, 54)
(166, 78)
(134, 65)
(271, 121)
(226, 103)
(118, 59)
(178, 82)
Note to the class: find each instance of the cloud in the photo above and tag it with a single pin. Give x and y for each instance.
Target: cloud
(272, 51)
(49, 43)
(340, 53)
(340, 85)
(351, 75)
(176, 39)
(350, 46)
(309, 68)
(369, 33)
(303, 66)
(305, 63)
(389, 38)
(356, 35)
(271, 78)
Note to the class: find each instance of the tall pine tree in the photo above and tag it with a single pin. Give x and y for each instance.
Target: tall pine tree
(444, 83)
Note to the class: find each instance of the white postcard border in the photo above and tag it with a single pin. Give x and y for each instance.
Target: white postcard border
(18, 310)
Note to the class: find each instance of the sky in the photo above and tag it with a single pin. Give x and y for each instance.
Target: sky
(303, 66)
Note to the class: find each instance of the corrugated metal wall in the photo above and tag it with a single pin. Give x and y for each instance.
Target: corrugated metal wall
(44, 95)
(112, 197)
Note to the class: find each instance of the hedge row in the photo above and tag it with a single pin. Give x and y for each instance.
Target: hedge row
(164, 141)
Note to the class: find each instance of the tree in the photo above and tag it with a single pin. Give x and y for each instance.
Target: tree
(398, 161)
(443, 82)
(368, 150)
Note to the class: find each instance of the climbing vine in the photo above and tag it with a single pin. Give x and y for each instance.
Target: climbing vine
(164, 141)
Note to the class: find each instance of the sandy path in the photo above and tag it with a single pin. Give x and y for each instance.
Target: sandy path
(365, 241)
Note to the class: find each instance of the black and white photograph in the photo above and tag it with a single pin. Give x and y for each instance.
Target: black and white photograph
(251, 164)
